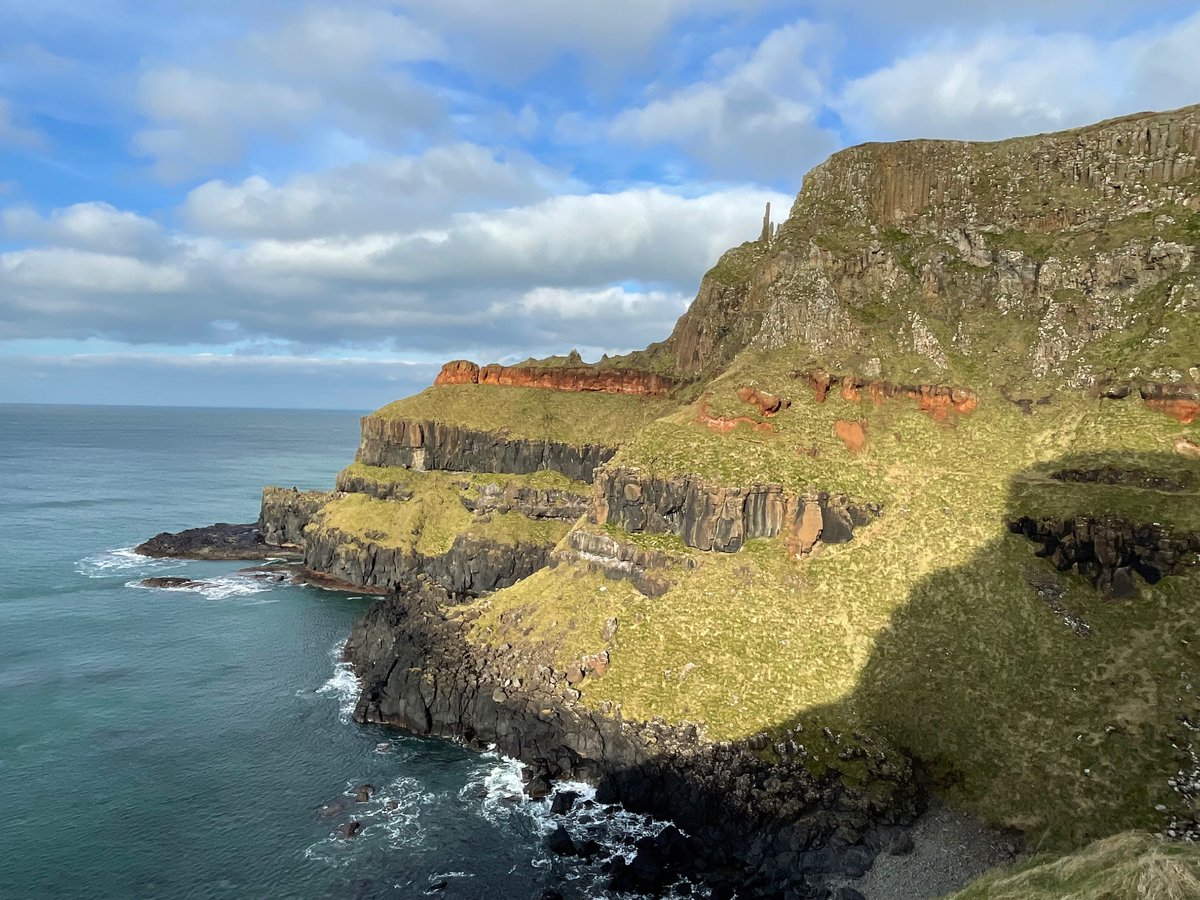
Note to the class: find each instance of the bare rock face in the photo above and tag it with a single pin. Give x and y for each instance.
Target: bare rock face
(767, 404)
(558, 378)
(711, 517)
(915, 252)
(286, 512)
(1108, 550)
(423, 446)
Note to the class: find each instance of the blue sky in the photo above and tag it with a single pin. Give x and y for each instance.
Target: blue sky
(314, 204)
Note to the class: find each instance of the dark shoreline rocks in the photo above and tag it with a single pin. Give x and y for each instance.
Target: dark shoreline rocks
(221, 541)
(752, 812)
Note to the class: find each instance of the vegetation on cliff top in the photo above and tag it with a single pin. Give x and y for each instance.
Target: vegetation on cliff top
(578, 419)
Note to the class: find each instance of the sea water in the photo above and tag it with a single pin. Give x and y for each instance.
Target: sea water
(198, 743)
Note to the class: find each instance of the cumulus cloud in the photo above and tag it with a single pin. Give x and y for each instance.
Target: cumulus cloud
(758, 115)
(507, 281)
(382, 193)
(998, 85)
(99, 227)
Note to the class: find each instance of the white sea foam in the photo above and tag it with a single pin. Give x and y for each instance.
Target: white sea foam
(343, 685)
(222, 587)
(121, 562)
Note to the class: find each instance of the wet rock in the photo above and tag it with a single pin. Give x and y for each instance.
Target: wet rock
(350, 829)
(363, 793)
(221, 541)
(331, 809)
(172, 583)
(563, 802)
(560, 843)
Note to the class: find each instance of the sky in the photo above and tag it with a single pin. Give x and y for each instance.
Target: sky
(207, 202)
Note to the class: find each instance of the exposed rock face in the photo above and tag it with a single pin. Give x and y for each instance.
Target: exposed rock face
(710, 517)
(221, 542)
(648, 570)
(915, 250)
(852, 434)
(1179, 401)
(728, 423)
(767, 404)
(1107, 550)
(558, 378)
(758, 818)
(469, 568)
(433, 445)
(286, 512)
(939, 400)
(537, 503)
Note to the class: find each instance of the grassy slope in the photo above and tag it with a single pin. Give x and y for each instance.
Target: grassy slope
(1123, 867)
(429, 522)
(534, 413)
(926, 626)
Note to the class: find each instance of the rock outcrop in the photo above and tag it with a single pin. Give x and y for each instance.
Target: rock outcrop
(286, 512)
(709, 517)
(423, 446)
(218, 542)
(912, 251)
(1108, 550)
(536, 503)
(753, 810)
(1179, 401)
(939, 400)
(649, 571)
(558, 378)
(470, 568)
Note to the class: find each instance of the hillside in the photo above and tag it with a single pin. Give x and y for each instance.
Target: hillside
(908, 502)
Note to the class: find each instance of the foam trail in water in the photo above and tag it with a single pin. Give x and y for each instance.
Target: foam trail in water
(221, 587)
(121, 562)
(343, 685)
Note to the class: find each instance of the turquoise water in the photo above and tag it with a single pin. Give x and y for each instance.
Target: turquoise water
(162, 743)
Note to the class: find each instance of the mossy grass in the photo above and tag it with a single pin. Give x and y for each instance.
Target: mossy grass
(578, 419)
(1122, 867)
(546, 479)
(432, 518)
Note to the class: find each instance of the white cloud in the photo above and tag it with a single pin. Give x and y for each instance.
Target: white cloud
(382, 193)
(502, 282)
(86, 226)
(1002, 84)
(757, 116)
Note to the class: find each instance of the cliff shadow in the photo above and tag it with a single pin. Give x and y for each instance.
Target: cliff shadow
(1052, 682)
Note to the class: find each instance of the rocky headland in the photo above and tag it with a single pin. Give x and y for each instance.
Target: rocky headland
(907, 506)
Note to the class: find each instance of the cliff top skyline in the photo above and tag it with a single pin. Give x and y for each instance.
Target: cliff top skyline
(316, 205)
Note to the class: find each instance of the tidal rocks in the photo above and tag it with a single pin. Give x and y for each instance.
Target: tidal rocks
(220, 542)
(560, 378)
(172, 583)
(710, 517)
(1107, 550)
(423, 446)
(741, 811)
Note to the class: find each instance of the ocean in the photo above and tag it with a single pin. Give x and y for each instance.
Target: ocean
(197, 743)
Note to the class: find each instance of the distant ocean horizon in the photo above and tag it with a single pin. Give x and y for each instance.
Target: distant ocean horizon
(198, 743)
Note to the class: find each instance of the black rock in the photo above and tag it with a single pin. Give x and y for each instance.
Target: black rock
(847, 893)
(900, 844)
(559, 842)
(563, 802)
(363, 793)
(350, 829)
(220, 541)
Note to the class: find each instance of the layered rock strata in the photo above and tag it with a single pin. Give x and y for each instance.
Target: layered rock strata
(936, 399)
(752, 810)
(1108, 550)
(559, 378)
(217, 542)
(423, 446)
(709, 517)
(286, 512)
(649, 571)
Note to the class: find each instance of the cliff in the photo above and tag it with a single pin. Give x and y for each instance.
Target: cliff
(559, 378)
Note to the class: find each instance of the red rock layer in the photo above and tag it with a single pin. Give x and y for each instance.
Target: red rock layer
(1179, 401)
(852, 434)
(727, 423)
(565, 378)
(768, 404)
(936, 399)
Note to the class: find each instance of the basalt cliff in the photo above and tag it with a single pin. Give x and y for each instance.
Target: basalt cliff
(906, 506)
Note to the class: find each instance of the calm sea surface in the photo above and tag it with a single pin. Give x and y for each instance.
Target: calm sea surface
(162, 743)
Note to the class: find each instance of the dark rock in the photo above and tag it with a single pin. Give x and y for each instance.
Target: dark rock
(559, 842)
(435, 445)
(538, 787)
(221, 541)
(563, 802)
(172, 583)
(550, 894)
(900, 843)
(363, 793)
(331, 809)
(847, 893)
(350, 829)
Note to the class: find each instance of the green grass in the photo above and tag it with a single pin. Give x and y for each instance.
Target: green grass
(433, 518)
(546, 479)
(1127, 866)
(578, 419)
